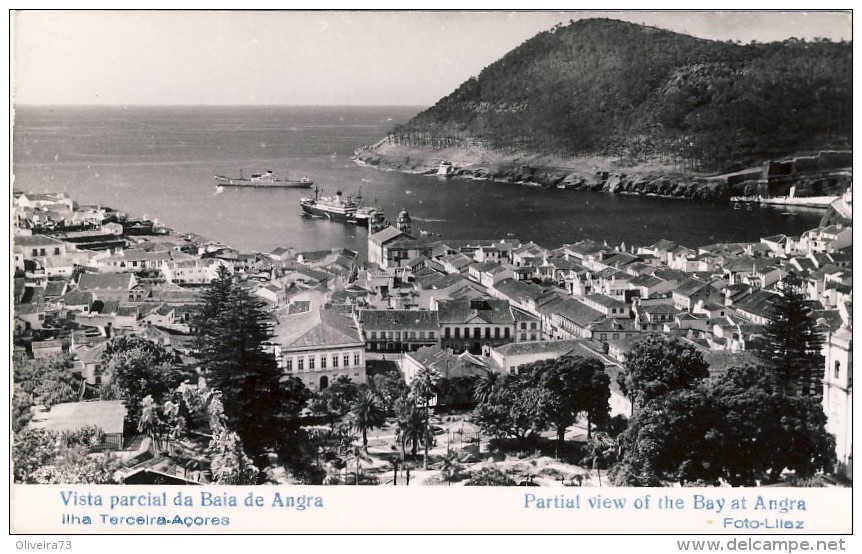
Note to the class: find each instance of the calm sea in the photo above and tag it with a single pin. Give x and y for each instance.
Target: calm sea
(160, 162)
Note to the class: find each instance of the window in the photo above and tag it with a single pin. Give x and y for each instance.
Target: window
(56, 250)
(356, 360)
(487, 332)
(477, 332)
(616, 336)
(346, 360)
(41, 251)
(431, 335)
(311, 362)
(506, 332)
(446, 333)
(603, 336)
(335, 360)
(412, 334)
(457, 332)
(35, 251)
(837, 368)
(323, 362)
(288, 364)
(523, 336)
(300, 364)
(532, 325)
(373, 334)
(496, 332)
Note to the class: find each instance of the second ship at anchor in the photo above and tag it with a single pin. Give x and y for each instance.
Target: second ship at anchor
(339, 208)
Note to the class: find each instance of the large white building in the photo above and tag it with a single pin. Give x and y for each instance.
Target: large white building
(319, 347)
(194, 271)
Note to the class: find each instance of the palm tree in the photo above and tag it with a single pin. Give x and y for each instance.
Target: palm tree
(487, 386)
(424, 388)
(358, 456)
(451, 468)
(367, 413)
(410, 425)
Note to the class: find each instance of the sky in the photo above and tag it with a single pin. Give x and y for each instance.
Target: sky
(312, 57)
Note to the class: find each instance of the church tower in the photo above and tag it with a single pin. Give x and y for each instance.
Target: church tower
(404, 222)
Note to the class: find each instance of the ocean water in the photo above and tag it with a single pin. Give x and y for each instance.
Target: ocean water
(160, 161)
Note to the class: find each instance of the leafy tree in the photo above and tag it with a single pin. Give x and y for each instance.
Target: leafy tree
(41, 456)
(516, 408)
(31, 450)
(737, 429)
(229, 463)
(489, 477)
(671, 437)
(390, 387)
(657, 364)
(577, 385)
(456, 390)
(791, 348)
(601, 452)
(140, 367)
(75, 467)
(45, 381)
(367, 413)
(423, 388)
(233, 333)
(335, 401)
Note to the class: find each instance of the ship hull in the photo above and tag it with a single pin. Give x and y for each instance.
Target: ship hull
(316, 211)
(246, 183)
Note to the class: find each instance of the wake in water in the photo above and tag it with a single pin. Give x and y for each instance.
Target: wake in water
(427, 220)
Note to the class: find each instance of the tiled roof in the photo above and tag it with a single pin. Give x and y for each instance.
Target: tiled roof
(31, 241)
(78, 298)
(394, 320)
(577, 312)
(646, 281)
(55, 288)
(690, 287)
(91, 353)
(107, 414)
(384, 236)
(519, 290)
(332, 330)
(448, 364)
(490, 310)
(558, 347)
(606, 301)
(109, 281)
(758, 302)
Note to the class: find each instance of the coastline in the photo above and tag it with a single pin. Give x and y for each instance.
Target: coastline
(593, 174)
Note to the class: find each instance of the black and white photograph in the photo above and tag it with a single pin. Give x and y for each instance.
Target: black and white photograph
(308, 253)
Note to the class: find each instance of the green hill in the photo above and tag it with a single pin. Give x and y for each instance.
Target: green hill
(601, 87)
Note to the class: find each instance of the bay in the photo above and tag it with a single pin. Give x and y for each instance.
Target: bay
(159, 161)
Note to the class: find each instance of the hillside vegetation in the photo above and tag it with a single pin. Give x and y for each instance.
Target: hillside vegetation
(602, 87)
